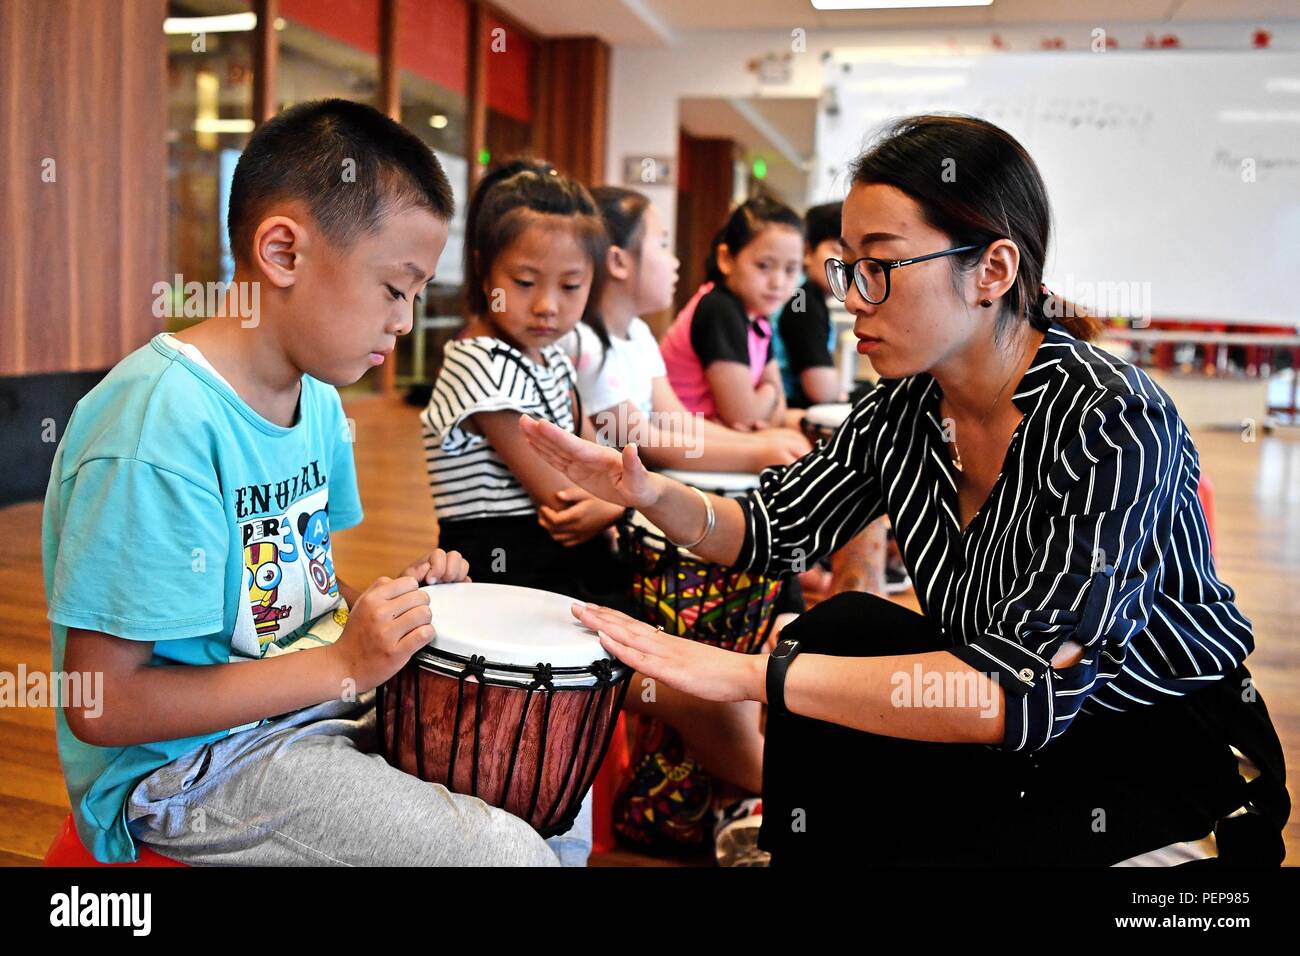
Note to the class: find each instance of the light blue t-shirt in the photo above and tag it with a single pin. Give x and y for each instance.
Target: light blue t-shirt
(177, 514)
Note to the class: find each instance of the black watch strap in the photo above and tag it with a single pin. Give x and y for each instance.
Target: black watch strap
(778, 663)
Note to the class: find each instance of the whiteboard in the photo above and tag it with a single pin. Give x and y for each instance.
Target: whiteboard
(1174, 177)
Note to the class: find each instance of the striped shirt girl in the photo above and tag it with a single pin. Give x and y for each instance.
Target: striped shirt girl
(484, 374)
(1093, 532)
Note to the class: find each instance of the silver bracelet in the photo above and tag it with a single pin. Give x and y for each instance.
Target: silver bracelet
(709, 520)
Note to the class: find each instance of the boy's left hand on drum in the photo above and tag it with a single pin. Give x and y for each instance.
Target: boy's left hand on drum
(700, 670)
(438, 566)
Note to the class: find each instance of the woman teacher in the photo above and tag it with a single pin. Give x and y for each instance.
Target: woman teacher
(1070, 692)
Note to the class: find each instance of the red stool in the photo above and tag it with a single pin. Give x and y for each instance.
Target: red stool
(68, 850)
(605, 786)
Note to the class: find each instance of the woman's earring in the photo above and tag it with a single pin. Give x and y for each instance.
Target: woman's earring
(986, 303)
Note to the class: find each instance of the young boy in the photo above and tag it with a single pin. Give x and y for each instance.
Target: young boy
(804, 328)
(186, 539)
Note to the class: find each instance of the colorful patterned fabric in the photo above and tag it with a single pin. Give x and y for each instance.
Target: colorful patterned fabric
(665, 805)
(692, 598)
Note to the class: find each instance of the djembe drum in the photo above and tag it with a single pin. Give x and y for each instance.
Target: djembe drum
(514, 701)
(689, 596)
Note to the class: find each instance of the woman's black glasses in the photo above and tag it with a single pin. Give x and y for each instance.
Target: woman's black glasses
(871, 276)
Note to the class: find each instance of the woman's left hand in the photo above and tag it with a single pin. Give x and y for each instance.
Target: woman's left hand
(700, 670)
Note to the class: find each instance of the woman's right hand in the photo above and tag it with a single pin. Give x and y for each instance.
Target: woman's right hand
(618, 478)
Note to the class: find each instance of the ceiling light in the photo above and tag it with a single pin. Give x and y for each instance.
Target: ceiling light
(211, 125)
(894, 4)
(227, 23)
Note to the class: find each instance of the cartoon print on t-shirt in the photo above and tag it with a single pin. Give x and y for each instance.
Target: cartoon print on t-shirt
(315, 531)
(262, 560)
(288, 564)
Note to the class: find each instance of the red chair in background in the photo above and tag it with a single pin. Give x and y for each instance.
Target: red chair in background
(1205, 491)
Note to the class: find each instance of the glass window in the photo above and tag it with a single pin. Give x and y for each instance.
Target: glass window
(328, 49)
(209, 103)
(433, 60)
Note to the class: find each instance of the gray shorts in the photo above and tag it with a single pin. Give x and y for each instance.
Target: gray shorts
(307, 789)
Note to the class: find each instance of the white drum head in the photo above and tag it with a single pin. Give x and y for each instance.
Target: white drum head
(831, 415)
(510, 625)
(718, 482)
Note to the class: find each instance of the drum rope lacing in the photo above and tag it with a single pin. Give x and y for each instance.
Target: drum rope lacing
(475, 667)
(606, 674)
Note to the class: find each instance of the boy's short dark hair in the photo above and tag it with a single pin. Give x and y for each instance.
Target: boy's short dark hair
(304, 152)
(822, 223)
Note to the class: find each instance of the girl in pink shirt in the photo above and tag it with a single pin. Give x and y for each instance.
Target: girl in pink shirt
(718, 351)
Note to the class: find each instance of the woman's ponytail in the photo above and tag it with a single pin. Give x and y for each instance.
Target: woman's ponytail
(1050, 307)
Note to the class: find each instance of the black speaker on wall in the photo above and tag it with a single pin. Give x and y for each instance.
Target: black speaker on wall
(34, 410)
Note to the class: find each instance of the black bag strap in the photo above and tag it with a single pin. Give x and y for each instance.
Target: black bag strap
(573, 387)
(1234, 712)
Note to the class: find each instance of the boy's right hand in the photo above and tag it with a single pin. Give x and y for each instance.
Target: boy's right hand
(390, 621)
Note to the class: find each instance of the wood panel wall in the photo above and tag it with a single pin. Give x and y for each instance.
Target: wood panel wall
(705, 177)
(82, 83)
(573, 106)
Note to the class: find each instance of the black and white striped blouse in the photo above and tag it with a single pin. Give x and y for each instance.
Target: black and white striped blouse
(483, 374)
(1093, 532)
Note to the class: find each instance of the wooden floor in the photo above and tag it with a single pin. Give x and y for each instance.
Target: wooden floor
(1258, 541)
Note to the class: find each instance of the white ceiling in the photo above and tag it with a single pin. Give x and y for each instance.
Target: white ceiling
(782, 129)
(662, 22)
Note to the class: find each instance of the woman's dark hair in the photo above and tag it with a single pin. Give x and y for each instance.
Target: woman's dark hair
(996, 193)
(503, 208)
(744, 224)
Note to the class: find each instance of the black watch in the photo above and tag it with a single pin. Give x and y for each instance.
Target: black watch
(778, 662)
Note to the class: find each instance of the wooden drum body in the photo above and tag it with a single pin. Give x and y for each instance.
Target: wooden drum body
(471, 711)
